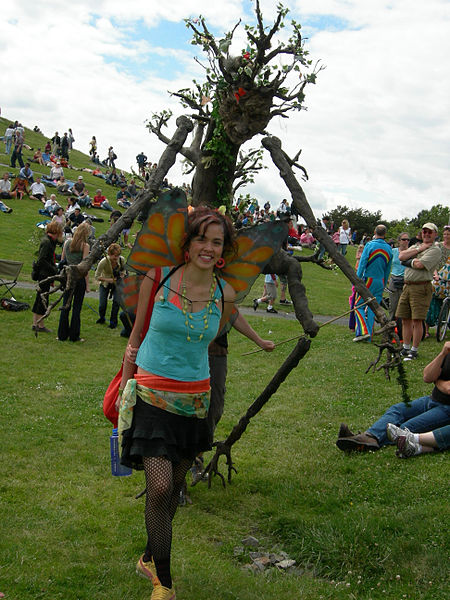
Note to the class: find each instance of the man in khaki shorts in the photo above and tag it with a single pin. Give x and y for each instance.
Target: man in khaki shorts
(420, 261)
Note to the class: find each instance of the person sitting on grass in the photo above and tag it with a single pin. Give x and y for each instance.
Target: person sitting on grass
(37, 157)
(38, 191)
(76, 217)
(26, 173)
(123, 197)
(270, 293)
(132, 189)
(59, 216)
(5, 187)
(97, 172)
(56, 172)
(423, 414)
(19, 188)
(307, 239)
(72, 204)
(80, 191)
(64, 187)
(112, 178)
(100, 201)
(412, 444)
(50, 206)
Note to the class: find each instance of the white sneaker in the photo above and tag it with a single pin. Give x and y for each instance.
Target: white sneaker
(393, 432)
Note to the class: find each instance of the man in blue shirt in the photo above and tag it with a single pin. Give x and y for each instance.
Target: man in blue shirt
(396, 281)
(26, 173)
(374, 268)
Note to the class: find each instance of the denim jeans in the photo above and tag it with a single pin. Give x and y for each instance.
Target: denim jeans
(103, 299)
(442, 436)
(8, 143)
(423, 414)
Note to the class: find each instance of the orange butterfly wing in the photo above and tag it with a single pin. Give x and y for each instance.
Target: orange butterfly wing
(255, 247)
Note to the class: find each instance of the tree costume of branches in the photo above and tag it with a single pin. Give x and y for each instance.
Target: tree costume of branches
(240, 96)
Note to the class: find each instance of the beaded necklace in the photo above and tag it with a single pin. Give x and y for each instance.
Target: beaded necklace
(187, 305)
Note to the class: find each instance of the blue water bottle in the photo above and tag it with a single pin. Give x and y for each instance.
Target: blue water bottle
(117, 469)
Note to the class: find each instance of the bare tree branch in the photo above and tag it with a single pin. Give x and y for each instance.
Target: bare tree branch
(273, 144)
(73, 273)
(224, 448)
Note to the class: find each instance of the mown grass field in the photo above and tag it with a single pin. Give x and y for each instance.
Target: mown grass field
(360, 527)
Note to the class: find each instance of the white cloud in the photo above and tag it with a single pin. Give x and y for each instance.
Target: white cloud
(376, 133)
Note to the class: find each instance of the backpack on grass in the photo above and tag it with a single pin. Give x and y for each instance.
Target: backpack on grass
(14, 305)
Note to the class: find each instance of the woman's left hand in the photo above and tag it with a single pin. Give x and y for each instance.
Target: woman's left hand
(130, 354)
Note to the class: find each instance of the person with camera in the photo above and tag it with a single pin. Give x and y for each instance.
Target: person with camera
(109, 273)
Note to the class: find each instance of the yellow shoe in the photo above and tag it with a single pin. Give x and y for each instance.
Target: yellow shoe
(147, 570)
(162, 593)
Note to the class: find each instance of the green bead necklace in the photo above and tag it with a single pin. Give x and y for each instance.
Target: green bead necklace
(187, 304)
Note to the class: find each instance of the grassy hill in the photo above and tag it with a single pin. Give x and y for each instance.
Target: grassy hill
(19, 238)
(361, 527)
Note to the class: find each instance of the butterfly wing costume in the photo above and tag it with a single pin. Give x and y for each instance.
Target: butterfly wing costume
(158, 244)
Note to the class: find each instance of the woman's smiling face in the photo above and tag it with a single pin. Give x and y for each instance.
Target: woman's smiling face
(206, 248)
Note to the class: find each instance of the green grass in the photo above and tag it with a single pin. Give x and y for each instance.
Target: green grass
(327, 291)
(69, 530)
(19, 239)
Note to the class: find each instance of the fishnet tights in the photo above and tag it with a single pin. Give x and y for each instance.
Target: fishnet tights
(163, 484)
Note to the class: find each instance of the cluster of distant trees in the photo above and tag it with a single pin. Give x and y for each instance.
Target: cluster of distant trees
(364, 221)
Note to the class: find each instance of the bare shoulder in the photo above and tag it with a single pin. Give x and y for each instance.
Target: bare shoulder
(228, 293)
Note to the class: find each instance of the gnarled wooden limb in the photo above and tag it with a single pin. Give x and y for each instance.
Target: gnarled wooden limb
(283, 264)
(74, 273)
(224, 448)
(273, 144)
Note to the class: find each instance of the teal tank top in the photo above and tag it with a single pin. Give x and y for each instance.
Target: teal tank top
(165, 350)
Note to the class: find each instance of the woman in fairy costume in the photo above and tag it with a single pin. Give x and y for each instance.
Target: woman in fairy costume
(163, 408)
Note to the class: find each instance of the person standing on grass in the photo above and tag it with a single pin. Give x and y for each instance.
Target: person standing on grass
(270, 293)
(46, 267)
(71, 139)
(396, 280)
(65, 147)
(110, 271)
(74, 251)
(345, 239)
(17, 149)
(374, 268)
(8, 138)
(163, 409)
(56, 141)
(420, 261)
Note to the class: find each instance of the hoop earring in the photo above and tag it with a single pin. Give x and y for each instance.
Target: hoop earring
(186, 256)
(220, 263)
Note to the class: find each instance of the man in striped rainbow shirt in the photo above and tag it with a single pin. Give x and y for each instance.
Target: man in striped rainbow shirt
(374, 268)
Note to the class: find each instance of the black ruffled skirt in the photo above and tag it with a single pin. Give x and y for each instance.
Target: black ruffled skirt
(156, 432)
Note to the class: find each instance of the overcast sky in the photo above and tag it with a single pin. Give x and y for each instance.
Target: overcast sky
(376, 132)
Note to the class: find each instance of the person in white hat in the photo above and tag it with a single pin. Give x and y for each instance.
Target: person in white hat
(420, 261)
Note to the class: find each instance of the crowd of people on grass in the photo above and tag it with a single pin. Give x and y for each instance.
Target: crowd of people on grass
(171, 396)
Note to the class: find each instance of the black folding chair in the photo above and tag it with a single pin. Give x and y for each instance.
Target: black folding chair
(9, 272)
